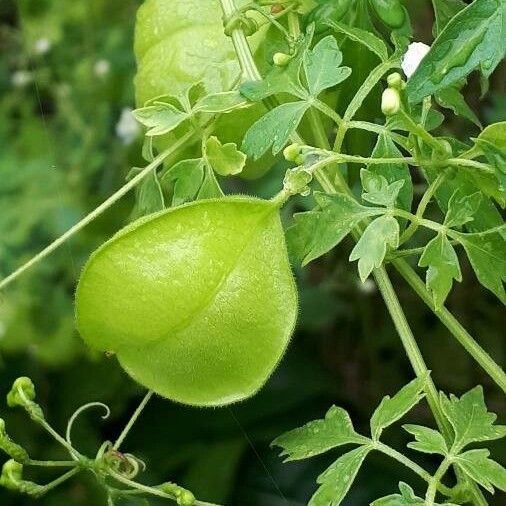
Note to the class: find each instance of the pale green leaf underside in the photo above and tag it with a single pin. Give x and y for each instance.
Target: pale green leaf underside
(198, 302)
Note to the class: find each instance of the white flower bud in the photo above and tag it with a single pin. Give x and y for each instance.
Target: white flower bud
(413, 56)
(390, 102)
(21, 78)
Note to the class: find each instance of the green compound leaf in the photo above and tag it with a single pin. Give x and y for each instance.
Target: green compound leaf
(368, 39)
(444, 10)
(187, 177)
(371, 248)
(443, 267)
(159, 119)
(220, 102)
(319, 436)
(407, 497)
(393, 408)
(393, 172)
(452, 98)
(487, 472)
(427, 440)
(338, 478)
(285, 79)
(473, 39)
(225, 159)
(318, 231)
(497, 157)
(487, 254)
(322, 66)
(198, 302)
(273, 129)
(470, 419)
(377, 189)
(148, 195)
(461, 208)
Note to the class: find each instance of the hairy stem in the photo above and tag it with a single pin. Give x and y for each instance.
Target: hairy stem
(97, 211)
(453, 325)
(133, 419)
(402, 459)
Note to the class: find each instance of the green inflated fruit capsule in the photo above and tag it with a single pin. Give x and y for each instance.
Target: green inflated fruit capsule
(179, 43)
(197, 302)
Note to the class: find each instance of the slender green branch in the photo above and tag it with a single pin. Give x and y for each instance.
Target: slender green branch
(402, 459)
(435, 481)
(150, 490)
(58, 481)
(97, 211)
(379, 129)
(420, 131)
(356, 102)
(422, 206)
(51, 463)
(411, 347)
(453, 325)
(133, 419)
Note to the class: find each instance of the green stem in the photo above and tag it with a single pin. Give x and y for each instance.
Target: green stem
(356, 102)
(434, 482)
(422, 206)
(419, 131)
(402, 459)
(150, 490)
(379, 129)
(52, 463)
(411, 347)
(98, 211)
(453, 325)
(58, 481)
(133, 419)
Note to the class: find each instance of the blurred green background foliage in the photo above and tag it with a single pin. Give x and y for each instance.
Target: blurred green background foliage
(66, 144)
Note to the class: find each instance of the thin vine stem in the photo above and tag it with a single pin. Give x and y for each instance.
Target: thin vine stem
(422, 206)
(356, 102)
(97, 211)
(133, 419)
(474, 350)
(407, 462)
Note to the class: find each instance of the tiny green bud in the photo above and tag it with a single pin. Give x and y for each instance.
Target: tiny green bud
(291, 152)
(16, 452)
(25, 385)
(300, 159)
(281, 59)
(12, 475)
(390, 102)
(395, 81)
(186, 498)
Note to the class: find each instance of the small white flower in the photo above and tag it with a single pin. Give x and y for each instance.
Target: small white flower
(42, 46)
(101, 68)
(413, 56)
(21, 78)
(127, 127)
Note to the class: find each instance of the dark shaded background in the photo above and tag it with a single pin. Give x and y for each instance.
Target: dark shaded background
(60, 156)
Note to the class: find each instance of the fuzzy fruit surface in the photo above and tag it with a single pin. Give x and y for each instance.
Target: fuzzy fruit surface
(198, 302)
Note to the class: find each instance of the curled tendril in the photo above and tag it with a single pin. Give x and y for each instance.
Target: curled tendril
(81, 410)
